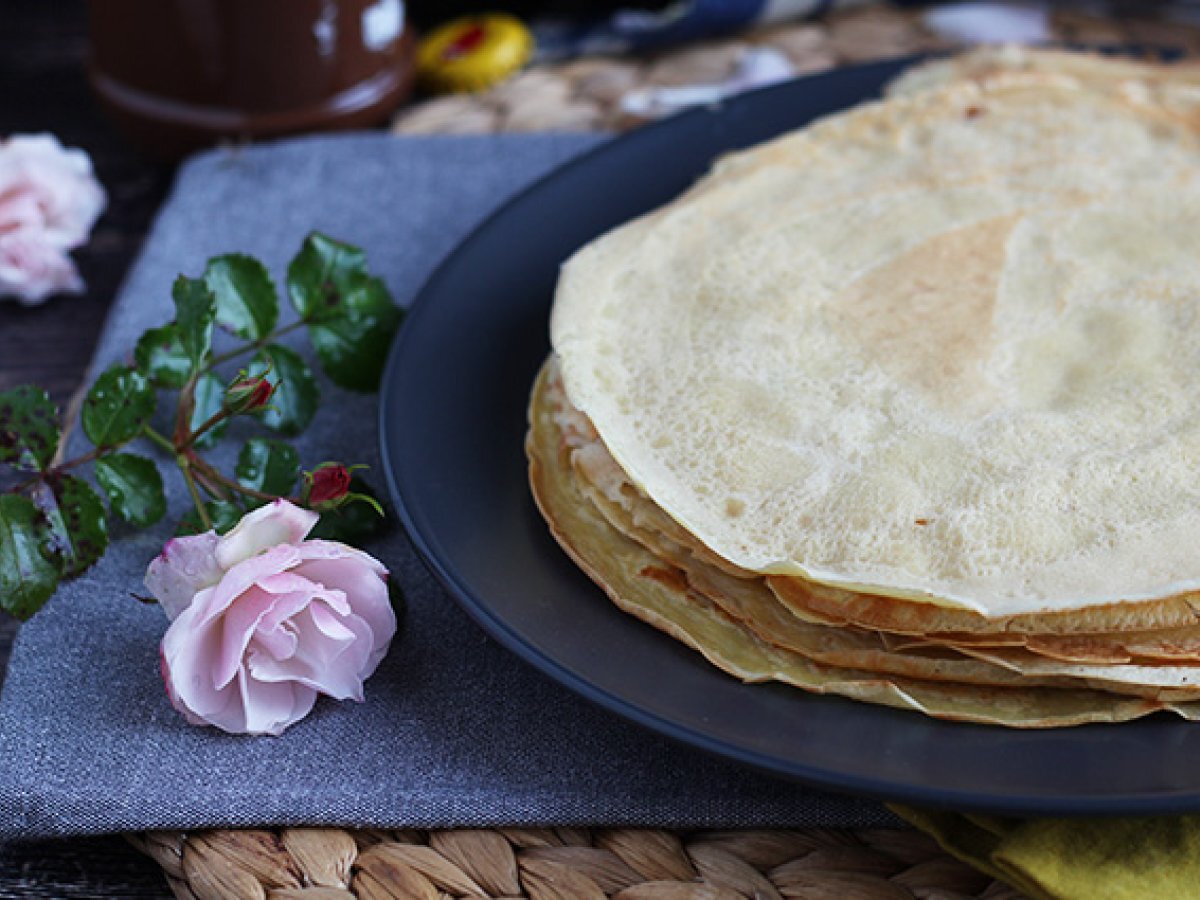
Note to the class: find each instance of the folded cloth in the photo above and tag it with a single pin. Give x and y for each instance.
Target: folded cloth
(1074, 859)
(455, 731)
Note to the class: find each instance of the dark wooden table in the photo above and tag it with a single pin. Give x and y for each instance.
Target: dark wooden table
(42, 88)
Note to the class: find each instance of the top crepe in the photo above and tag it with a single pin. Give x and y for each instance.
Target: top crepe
(943, 347)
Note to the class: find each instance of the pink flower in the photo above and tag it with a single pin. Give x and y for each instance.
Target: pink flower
(263, 621)
(32, 270)
(49, 201)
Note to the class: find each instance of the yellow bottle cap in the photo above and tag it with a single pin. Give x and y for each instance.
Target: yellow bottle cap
(473, 53)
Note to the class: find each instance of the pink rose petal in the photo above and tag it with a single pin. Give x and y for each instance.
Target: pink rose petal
(266, 527)
(186, 565)
(33, 269)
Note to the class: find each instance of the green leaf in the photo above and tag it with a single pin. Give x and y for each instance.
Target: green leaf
(75, 521)
(321, 274)
(210, 393)
(161, 358)
(294, 402)
(117, 407)
(398, 599)
(28, 428)
(268, 466)
(134, 487)
(353, 523)
(247, 303)
(195, 310)
(27, 578)
(353, 349)
(223, 515)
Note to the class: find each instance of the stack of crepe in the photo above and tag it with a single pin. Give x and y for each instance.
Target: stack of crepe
(905, 406)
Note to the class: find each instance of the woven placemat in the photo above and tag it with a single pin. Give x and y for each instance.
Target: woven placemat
(585, 94)
(629, 864)
(563, 864)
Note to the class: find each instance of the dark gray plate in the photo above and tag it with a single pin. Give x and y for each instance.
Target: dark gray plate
(456, 467)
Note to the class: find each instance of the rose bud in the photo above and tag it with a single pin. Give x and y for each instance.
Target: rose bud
(328, 484)
(248, 394)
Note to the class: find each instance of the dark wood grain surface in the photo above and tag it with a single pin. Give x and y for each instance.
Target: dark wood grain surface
(43, 88)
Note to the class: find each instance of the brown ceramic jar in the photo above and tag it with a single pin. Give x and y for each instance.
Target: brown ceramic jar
(181, 74)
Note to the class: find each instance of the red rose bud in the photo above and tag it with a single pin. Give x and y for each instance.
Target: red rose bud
(329, 483)
(247, 395)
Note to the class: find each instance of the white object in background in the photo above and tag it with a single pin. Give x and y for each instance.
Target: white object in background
(758, 67)
(325, 28)
(991, 23)
(382, 23)
(49, 201)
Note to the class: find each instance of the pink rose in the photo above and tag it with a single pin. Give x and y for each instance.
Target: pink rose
(49, 201)
(263, 621)
(32, 270)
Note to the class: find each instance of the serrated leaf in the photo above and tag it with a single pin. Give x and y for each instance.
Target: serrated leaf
(210, 393)
(27, 577)
(28, 428)
(76, 525)
(117, 407)
(247, 303)
(294, 402)
(321, 274)
(353, 349)
(134, 487)
(161, 358)
(223, 515)
(268, 466)
(353, 523)
(195, 311)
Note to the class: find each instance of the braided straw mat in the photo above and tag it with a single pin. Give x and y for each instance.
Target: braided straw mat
(564, 864)
(629, 864)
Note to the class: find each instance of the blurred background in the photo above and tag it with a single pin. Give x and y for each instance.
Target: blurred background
(137, 84)
(175, 75)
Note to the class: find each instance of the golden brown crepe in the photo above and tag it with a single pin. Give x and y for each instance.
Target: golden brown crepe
(651, 589)
(905, 406)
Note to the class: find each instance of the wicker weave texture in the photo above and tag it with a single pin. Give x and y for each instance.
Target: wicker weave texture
(563, 864)
(585, 94)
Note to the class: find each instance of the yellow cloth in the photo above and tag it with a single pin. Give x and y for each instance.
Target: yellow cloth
(1074, 859)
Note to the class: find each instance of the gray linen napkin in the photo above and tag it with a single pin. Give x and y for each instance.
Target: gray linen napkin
(455, 731)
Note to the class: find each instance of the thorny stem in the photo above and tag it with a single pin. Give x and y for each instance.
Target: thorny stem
(94, 453)
(185, 468)
(253, 345)
(159, 439)
(219, 416)
(183, 414)
(209, 487)
(213, 475)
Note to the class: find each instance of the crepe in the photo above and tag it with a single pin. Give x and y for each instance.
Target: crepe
(1134, 78)
(1159, 665)
(939, 348)
(647, 586)
(903, 406)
